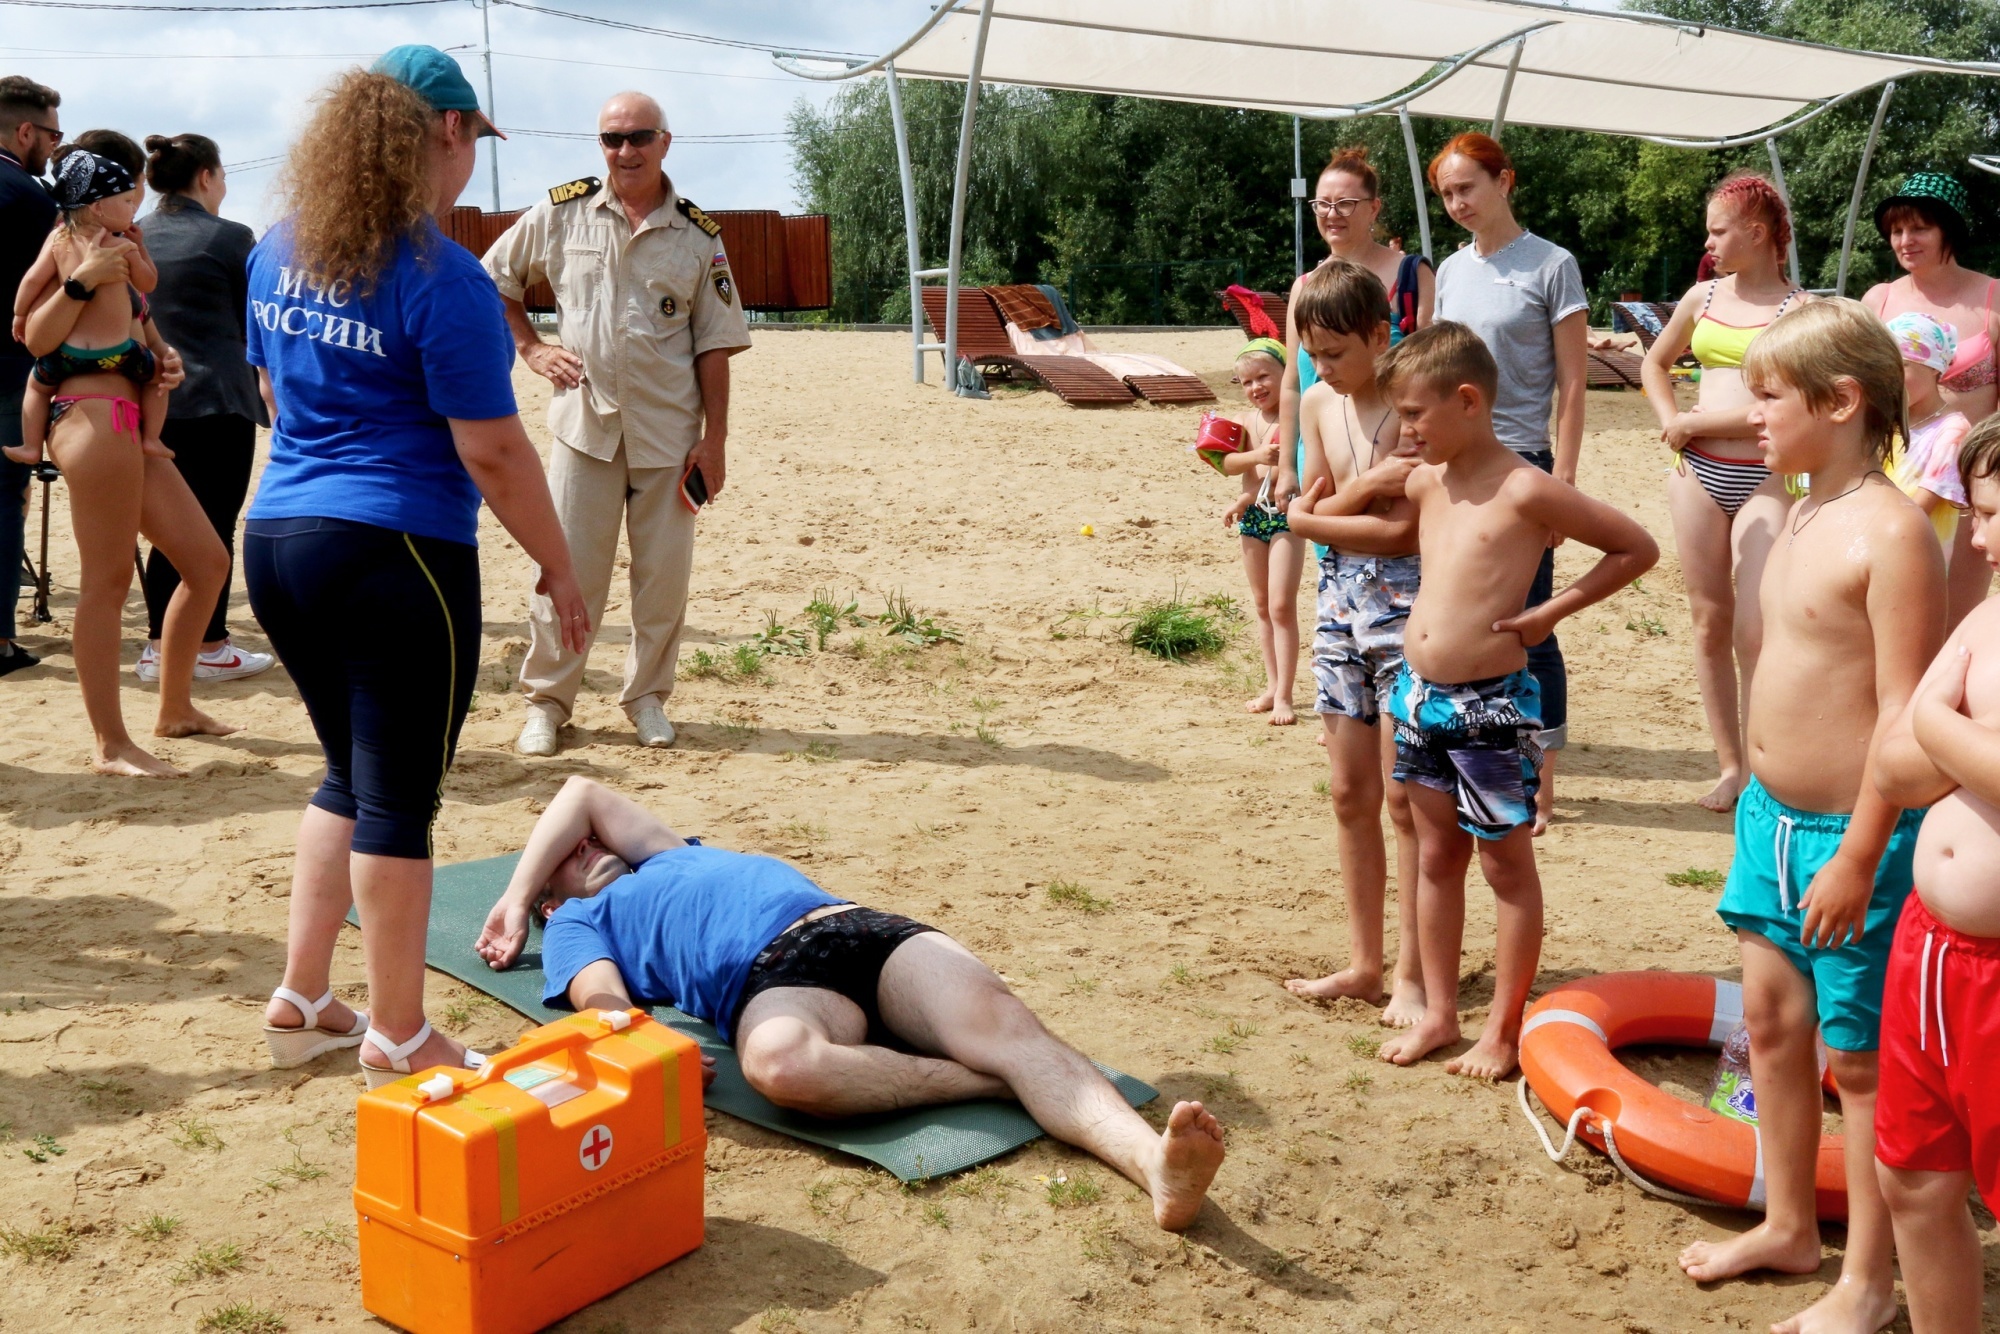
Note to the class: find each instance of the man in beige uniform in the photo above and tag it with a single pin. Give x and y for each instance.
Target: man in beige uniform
(648, 319)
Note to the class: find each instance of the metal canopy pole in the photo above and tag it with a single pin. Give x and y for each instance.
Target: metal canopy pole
(1298, 203)
(1860, 187)
(1507, 87)
(917, 344)
(958, 190)
(1792, 240)
(1416, 181)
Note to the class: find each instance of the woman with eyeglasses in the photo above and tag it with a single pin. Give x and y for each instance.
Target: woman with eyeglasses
(1525, 299)
(388, 366)
(1346, 205)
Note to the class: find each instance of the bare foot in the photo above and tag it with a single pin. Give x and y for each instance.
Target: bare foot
(437, 1050)
(28, 454)
(1420, 1040)
(1347, 982)
(1492, 1057)
(1545, 806)
(1406, 1006)
(1281, 713)
(1261, 704)
(1849, 1307)
(335, 1018)
(131, 761)
(1762, 1247)
(1722, 797)
(1190, 1153)
(192, 723)
(1320, 740)
(155, 448)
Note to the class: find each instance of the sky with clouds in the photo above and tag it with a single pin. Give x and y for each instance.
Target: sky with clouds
(246, 81)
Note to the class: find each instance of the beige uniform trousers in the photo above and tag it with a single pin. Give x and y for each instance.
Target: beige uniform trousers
(591, 495)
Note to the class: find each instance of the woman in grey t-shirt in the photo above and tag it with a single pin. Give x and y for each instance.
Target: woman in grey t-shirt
(1524, 297)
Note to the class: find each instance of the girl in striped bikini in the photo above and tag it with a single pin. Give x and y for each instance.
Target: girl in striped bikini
(1726, 504)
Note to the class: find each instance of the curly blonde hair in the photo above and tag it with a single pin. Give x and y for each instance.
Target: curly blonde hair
(358, 179)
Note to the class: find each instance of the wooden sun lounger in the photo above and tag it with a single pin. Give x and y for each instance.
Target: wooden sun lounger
(1275, 306)
(982, 339)
(1613, 370)
(1171, 388)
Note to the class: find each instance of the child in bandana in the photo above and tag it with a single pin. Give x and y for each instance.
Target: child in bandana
(1925, 465)
(99, 200)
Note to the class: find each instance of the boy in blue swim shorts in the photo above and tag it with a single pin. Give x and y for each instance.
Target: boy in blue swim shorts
(1354, 469)
(1465, 704)
(1853, 598)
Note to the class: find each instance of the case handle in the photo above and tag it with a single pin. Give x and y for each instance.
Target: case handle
(579, 1031)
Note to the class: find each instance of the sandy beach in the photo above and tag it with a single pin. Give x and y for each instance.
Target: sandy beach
(142, 924)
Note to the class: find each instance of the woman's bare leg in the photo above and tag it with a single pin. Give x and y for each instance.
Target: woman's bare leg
(105, 477)
(1257, 567)
(172, 520)
(1751, 537)
(1282, 596)
(321, 895)
(1702, 536)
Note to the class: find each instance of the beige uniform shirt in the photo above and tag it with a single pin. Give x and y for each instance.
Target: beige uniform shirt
(636, 307)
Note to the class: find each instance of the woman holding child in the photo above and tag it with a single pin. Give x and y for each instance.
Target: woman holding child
(1524, 297)
(1346, 205)
(1925, 225)
(82, 330)
(1726, 504)
(384, 351)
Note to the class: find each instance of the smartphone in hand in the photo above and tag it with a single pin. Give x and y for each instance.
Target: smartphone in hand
(694, 488)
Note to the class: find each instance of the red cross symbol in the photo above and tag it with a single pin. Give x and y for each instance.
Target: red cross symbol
(595, 1150)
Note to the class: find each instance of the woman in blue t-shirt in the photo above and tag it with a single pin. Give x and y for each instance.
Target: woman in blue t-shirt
(388, 362)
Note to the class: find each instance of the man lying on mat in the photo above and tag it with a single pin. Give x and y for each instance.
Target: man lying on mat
(809, 988)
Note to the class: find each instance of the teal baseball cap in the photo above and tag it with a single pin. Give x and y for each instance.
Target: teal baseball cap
(435, 77)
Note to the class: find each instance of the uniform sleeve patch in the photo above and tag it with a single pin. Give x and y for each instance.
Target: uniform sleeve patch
(724, 288)
(720, 260)
(576, 189)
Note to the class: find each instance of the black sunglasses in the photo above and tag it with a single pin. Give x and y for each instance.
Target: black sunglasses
(49, 130)
(616, 139)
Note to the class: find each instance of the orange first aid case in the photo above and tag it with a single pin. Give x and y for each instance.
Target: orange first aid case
(503, 1199)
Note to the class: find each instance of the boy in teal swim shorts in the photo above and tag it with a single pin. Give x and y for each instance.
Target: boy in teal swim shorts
(1854, 599)
(1465, 704)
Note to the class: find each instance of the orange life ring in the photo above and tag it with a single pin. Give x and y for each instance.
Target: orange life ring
(1567, 1041)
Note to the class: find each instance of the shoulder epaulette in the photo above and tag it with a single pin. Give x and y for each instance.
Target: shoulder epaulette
(576, 189)
(694, 215)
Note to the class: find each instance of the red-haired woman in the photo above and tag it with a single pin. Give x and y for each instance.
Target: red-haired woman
(1346, 205)
(1727, 505)
(1924, 224)
(1524, 297)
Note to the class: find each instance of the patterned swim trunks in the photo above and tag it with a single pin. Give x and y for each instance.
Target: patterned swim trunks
(1262, 522)
(1364, 604)
(1475, 741)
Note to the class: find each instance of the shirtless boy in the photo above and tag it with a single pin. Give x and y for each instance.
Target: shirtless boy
(1937, 1119)
(1465, 704)
(1854, 599)
(1354, 506)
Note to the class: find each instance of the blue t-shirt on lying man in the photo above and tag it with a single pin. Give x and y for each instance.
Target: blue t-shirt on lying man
(683, 929)
(364, 385)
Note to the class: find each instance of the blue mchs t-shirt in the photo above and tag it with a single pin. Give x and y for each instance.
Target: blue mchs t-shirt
(683, 928)
(364, 385)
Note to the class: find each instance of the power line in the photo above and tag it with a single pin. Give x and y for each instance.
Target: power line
(676, 33)
(220, 9)
(648, 69)
(742, 137)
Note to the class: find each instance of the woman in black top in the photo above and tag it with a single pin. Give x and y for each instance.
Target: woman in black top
(212, 419)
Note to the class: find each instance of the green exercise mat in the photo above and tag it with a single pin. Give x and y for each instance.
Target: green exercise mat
(926, 1142)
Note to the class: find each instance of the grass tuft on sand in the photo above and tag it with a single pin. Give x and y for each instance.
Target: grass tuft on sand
(1174, 628)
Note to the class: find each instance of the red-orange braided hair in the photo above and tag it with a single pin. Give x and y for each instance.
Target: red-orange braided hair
(1755, 199)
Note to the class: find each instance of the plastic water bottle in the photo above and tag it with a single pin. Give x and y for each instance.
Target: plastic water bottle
(1732, 1094)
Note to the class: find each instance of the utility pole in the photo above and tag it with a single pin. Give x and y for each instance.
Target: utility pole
(492, 112)
(1298, 204)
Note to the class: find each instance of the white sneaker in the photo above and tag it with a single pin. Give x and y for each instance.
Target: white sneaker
(538, 734)
(228, 663)
(148, 666)
(654, 729)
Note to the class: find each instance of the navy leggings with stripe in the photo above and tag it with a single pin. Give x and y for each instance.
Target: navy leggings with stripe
(380, 632)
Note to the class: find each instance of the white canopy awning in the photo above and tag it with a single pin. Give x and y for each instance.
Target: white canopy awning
(1610, 72)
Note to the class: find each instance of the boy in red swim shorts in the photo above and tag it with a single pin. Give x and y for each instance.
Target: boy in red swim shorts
(1937, 1118)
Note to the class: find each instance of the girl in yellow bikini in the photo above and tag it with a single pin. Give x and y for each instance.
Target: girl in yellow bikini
(1727, 506)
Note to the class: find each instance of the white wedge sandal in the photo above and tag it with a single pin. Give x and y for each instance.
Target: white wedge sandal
(296, 1046)
(399, 1056)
